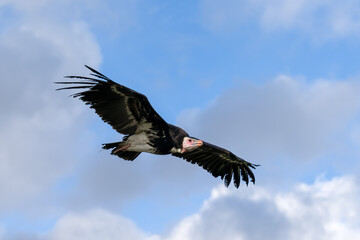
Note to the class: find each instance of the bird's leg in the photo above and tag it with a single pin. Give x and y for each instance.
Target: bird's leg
(121, 148)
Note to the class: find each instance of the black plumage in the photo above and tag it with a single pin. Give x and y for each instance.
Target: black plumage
(131, 114)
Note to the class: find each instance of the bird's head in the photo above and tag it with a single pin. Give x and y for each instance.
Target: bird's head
(190, 144)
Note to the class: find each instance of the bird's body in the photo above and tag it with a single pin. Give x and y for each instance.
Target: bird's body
(131, 114)
(146, 141)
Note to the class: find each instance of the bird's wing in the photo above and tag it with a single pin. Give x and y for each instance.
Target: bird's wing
(126, 110)
(220, 162)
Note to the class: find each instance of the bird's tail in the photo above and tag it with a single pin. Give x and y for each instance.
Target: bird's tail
(119, 149)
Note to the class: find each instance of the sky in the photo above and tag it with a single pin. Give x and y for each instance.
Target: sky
(275, 82)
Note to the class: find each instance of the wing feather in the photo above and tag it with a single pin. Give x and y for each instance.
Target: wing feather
(123, 108)
(236, 175)
(221, 162)
(228, 176)
(244, 174)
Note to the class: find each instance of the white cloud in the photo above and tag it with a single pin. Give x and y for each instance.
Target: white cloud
(318, 18)
(96, 224)
(327, 209)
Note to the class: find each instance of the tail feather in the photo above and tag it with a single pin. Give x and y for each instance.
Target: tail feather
(108, 146)
(126, 155)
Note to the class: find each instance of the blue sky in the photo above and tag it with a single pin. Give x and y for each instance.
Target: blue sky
(275, 82)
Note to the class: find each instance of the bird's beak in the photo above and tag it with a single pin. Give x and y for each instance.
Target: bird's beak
(198, 143)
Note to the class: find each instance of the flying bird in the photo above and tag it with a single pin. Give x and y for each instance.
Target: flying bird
(131, 114)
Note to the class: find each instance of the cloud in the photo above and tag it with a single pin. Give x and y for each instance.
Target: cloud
(220, 15)
(112, 183)
(96, 13)
(330, 18)
(108, 181)
(37, 119)
(327, 209)
(96, 224)
(320, 19)
(294, 128)
(40, 43)
(2, 232)
(286, 116)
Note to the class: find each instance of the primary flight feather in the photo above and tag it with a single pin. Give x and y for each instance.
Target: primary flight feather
(130, 113)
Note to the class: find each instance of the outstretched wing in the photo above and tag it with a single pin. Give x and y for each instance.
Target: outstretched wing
(126, 110)
(221, 162)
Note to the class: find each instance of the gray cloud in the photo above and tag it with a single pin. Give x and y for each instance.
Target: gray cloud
(284, 117)
(110, 182)
(37, 119)
(42, 130)
(292, 128)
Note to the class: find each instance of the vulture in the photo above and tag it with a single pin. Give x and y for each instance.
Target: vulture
(131, 114)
